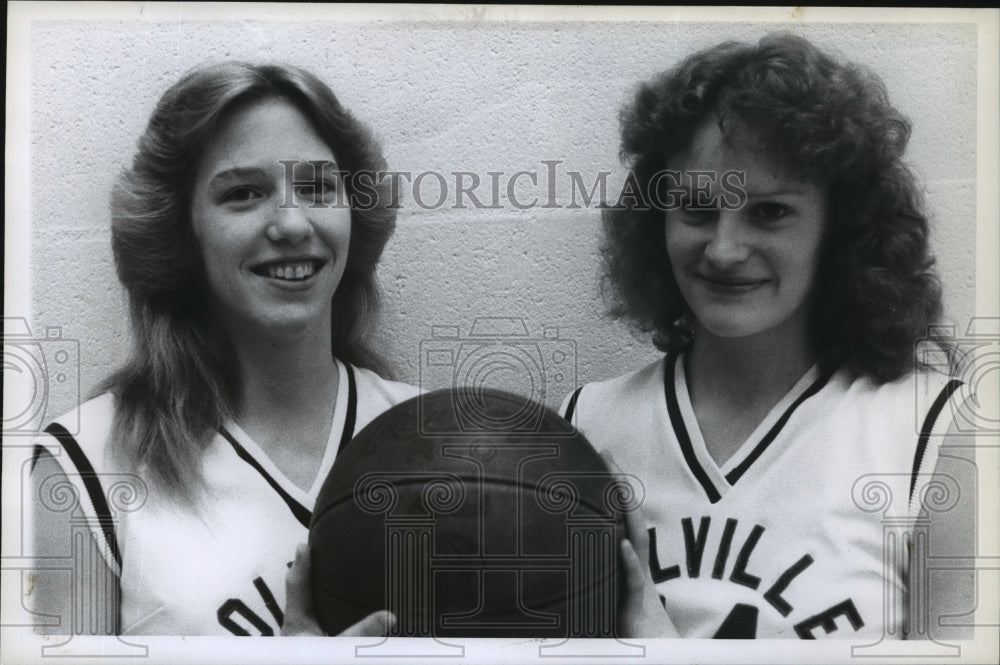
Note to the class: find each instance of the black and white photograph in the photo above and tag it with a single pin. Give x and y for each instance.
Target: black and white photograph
(500, 334)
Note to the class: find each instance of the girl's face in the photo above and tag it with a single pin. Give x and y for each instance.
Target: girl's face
(274, 235)
(747, 270)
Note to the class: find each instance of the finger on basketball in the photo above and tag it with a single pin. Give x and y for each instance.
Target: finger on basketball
(376, 624)
(299, 618)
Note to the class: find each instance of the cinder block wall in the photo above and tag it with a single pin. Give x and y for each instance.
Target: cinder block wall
(450, 97)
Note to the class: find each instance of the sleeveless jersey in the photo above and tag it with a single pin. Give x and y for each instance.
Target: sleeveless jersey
(220, 569)
(797, 534)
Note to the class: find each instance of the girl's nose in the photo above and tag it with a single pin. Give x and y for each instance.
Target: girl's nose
(728, 244)
(289, 224)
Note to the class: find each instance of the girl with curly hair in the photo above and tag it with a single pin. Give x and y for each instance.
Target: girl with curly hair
(246, 237)
(774, 244)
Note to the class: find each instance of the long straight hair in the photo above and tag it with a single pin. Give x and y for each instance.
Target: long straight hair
(182, 380)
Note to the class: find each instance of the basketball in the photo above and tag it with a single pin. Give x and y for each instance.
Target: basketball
(470, 513)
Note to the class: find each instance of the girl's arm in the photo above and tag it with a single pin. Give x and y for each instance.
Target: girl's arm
(642, 613)
(73, 581)
(942, 598)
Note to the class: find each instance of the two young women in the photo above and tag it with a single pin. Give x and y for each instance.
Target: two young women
(788, 315)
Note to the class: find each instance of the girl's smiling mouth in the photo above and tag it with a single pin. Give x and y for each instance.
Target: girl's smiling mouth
(730, 283)
(291, 270)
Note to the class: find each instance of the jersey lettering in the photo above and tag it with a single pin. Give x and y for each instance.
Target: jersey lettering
(740, 575)
(694, 547)
(269, 602)
(742, 620)
(236, 606)
(827, 620)
(773, 595)
(723, 554)
(659, 574)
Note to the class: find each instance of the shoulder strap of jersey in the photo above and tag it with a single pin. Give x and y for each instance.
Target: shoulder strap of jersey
(931, 432)
(571, 405)
(91, 484)
(352, 409)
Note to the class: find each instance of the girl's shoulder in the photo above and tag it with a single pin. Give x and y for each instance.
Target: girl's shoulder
(375, 395)
(86, 427)
(632, 387)
(920, 391)
(371, 384)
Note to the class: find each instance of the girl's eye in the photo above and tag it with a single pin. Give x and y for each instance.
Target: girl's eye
(241, 195)
(319, 190)
(692, 213)
(767, 212)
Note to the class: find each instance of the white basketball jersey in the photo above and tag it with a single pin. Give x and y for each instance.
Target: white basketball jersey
(218, 570)
(801, 533)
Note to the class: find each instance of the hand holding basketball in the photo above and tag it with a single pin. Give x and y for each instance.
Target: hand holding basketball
(299, 617)
(642, 613)
(298, 595)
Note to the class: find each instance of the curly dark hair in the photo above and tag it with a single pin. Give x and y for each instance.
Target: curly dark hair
(876, 291)
(181, 380)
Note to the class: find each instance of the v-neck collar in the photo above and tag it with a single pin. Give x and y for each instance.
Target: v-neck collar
(716, 479)
(300, 501)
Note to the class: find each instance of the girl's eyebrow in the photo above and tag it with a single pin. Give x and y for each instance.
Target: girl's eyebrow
(784, 191)
(303, 169)
(238, 173)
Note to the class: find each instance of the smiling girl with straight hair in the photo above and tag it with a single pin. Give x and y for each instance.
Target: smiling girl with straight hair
(251, 288)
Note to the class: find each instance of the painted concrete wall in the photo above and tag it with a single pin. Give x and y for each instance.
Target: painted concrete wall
(450, 97)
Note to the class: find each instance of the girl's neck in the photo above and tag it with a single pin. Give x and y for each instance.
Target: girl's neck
(759, 369)
(734, 383)
(286, 379)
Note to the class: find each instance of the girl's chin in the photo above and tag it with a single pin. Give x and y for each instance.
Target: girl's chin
(752, 325)
(731, 327)
(732, 333)
(288, 325)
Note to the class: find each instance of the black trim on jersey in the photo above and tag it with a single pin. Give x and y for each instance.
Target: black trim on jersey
(571, 407)
(36, 454)
(759, 449)
(928, 427)
(352, 411)
(674, 410)
(91, 483)
(301, 513)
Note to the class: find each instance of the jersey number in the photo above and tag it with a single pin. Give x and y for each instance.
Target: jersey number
(741, 623)
(237, 606)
